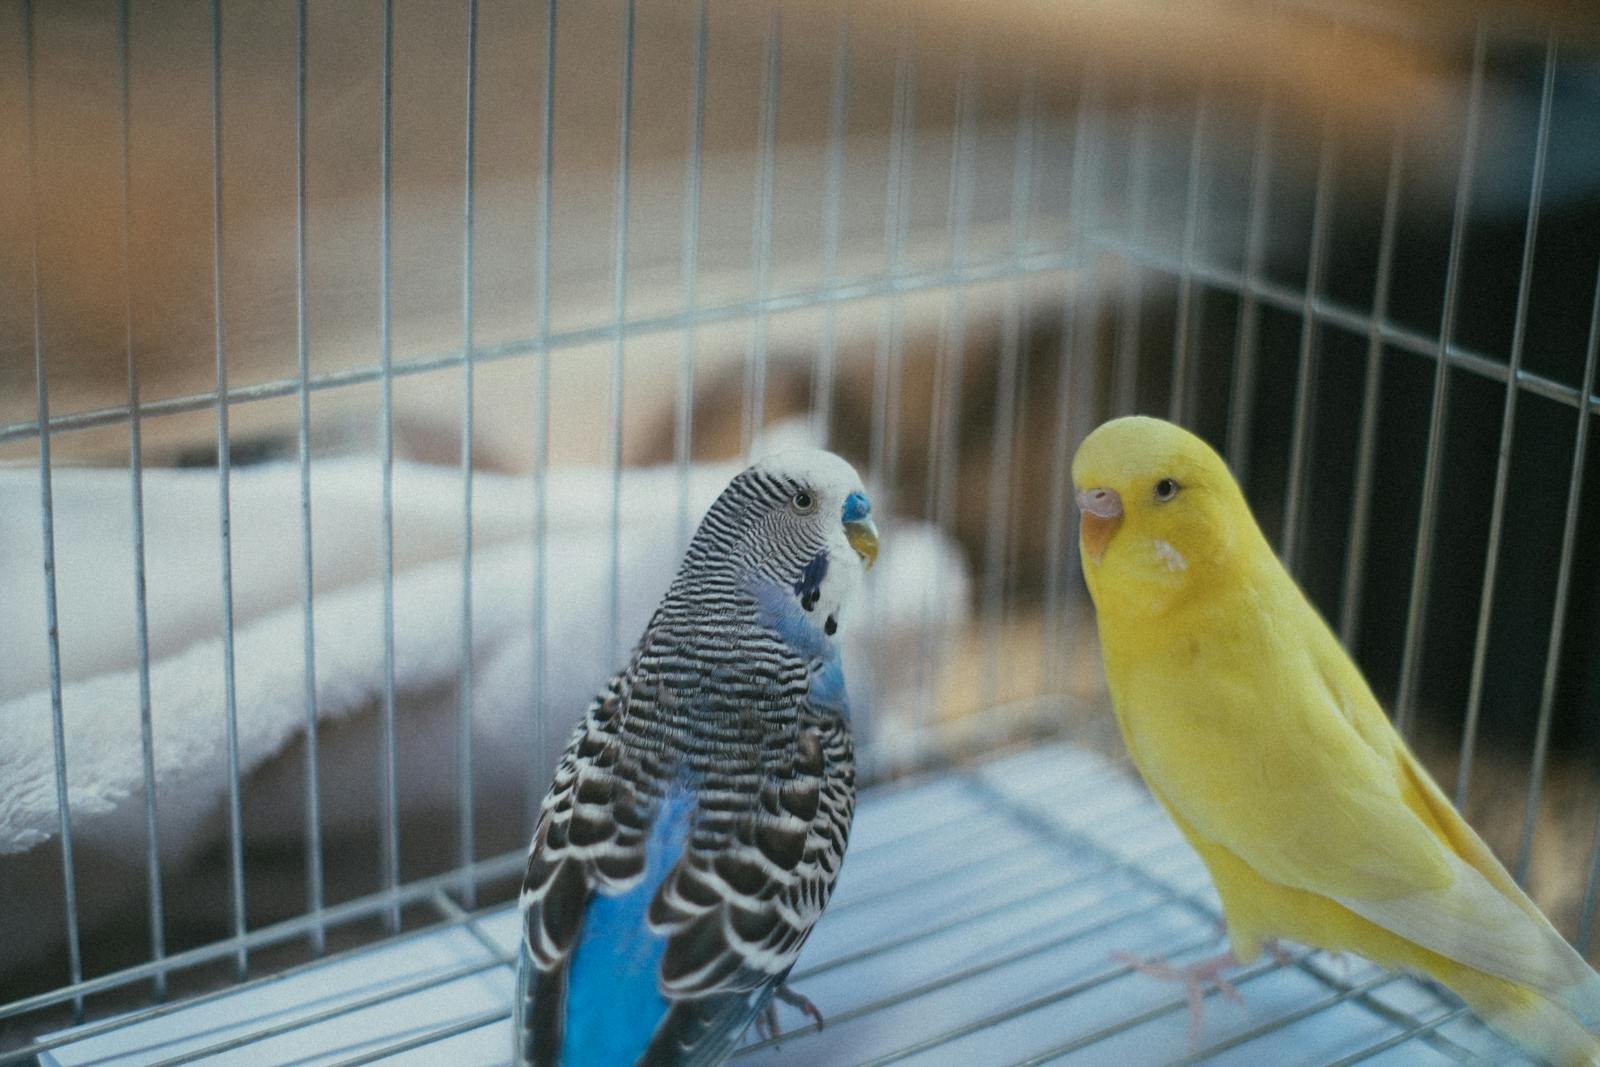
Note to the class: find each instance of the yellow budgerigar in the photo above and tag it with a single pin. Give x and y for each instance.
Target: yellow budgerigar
(1261, 739)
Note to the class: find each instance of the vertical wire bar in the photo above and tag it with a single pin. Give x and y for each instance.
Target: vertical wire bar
(464, 828)
(825, 368)
(1060, 450)
(224, 465)
(962, 177)
(619, 309)
(894, 226)
(1242, 397)
(1422, 562)
(1508, 416)
(540, 738)
(314, 873)
(141, 618)
(1558, 611)
(683, 439)
(1005, 423)
(882, 447)
(945, 398)
(1306, 379)
(1020, 493)
(58, 734)
(1125, 378)
(1367, 446)
(950, 369)
(761, 251)
(1177, 399)
(938, 416)
(1058, 547)
(390, 850)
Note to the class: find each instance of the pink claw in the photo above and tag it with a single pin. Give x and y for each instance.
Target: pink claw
(1195, 978)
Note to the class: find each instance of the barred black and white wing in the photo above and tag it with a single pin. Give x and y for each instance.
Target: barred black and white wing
(763, 852)
(739, 906)
(590, 835)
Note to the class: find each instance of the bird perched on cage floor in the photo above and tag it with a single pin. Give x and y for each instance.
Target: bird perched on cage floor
(699, 815)
(1263, 742)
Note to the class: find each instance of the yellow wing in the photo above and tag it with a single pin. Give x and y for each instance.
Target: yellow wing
(1282, 756)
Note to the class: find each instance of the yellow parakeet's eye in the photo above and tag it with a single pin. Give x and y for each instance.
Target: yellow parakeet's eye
(1166, 489)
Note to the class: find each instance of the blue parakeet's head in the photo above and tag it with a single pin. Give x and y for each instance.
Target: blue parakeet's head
(799, 525)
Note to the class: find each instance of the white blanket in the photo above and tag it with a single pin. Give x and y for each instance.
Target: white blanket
(99, 657)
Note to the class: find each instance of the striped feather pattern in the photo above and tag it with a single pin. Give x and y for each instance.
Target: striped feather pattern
(714, 701)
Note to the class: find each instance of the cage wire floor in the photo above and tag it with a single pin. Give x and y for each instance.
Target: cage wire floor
(974, 923)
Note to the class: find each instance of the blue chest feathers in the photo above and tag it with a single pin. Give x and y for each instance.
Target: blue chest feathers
(793, 614)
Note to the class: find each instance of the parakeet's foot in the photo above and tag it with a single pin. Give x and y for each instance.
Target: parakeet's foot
(1195, 977)
(798, 1000)
(767, 1020)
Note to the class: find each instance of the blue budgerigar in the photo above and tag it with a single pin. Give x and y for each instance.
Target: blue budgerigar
(698, 817)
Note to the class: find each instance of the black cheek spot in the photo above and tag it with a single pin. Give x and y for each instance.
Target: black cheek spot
(831, 627)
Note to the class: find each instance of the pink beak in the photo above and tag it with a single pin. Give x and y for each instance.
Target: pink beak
(1102, 515)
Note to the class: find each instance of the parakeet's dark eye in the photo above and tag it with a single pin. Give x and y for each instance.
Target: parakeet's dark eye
(1166, 489)
(803, 503)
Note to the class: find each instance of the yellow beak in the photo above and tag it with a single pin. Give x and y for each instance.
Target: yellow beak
(863, 537)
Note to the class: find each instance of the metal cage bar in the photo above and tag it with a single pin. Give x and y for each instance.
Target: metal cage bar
(1059, 548)
(372, 905)
(1366, 448)
(1508, 419)
(1416, 1030)
(755, 411)
(1428, 510)
(465, 830)
(1558, 616)
(866, 287)
(455, 916)
(825, 367)
(224, 503)
(315, 887)
(1126, 374)
(69, 880)
(1187, 327)
(619, 310)
(1306, 371)
(683, 427)
(141, 614)
(1007, 399)
(882, 461)
(389, 825)
(541, 433)
(1241, 397)
(949, 359)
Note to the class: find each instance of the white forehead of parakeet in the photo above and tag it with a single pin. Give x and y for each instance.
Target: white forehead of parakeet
(824, 473)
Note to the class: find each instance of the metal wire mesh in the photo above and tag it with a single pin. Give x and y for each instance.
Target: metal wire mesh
(1067, 245)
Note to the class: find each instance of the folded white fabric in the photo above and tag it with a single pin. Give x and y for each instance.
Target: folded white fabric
(922, 585)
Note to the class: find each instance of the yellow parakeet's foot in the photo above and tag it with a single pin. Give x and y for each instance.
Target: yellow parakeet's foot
(1195, 978)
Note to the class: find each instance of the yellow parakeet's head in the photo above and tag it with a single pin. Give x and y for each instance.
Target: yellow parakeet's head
(1163, 519)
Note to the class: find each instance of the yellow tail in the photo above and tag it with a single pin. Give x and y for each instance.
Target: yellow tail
(1534, 1022)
